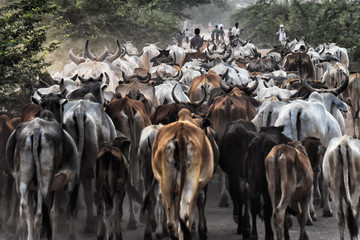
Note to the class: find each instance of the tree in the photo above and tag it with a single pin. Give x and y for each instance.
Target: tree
(22, 49)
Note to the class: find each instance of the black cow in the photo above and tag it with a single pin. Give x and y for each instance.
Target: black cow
(255, 174)
(232, 147)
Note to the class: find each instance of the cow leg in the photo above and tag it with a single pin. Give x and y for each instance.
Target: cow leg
(327, 212)
(54, 212)
(150, 217)
(100, 216)
(234, 190)
(132, 219)
(26, 212)
(311, 210)
(224, 196)
(109, 219)
(316, 193)
(246, 218)
(358, 124)
(340, 218)
(302, 217)
(254, 208)
(8, 195)
(202, 228)
(269, 234)
(86, 181)
(355, 122)
(14, 206)
(119, 212)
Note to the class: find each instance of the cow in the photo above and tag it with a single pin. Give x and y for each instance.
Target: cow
(183, 164)
(89, 126)
(335, 75)
(334, 50)
(301, 63)
(44, 157)
(255, 174)
(289, 176)
(111, 175)
(129, 117)
(233, 146)
(138, 88)
(209, 80)
(147, 138)
(351, 96)
(262, 65)
(341, 168)
(237, 104)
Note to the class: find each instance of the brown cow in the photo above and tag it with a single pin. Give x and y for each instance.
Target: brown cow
(209, 80)
(301, 63)
(183, 164)
(289, 176)
(129, 117)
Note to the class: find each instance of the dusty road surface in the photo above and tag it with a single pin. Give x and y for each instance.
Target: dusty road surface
(219, 222)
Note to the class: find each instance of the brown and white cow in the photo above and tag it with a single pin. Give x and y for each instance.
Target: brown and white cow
(341, 169)
(289, 176)
(183, 164)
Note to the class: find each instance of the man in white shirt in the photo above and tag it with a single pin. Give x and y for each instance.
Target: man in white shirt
(187, 35)
(282, 35)
(235, 31)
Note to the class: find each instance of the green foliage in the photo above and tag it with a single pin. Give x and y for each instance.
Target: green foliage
(22, 49)
(329, 21)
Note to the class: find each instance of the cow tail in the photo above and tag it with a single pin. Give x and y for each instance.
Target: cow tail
(41, 193)
(344, 155)
(295, 124)
(180, 149)
(80, 117)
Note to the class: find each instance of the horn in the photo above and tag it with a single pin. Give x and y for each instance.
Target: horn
(179, 76)
(45, 83)
(224, 86)
(200, 102)
(126, 79)
(88, 54)
(103, 56)
(82, 79)
(74, 77)
(246, 42)
(342, 86)
(253, 88)
(208, 57)
(173, 95)
(227, 56)
(307, 86)
(207, 47)
(158, 75)
(322, 49)
(225, 74)
(223, 52)
(145, 79)
(107, 79)
(75, 58)
(99, 78)
(117, 54)
(123, 52)
(174, 60)
(40, 94)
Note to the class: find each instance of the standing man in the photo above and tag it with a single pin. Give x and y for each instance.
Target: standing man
(282, 35)
(196, 42)
(187, 35)
(215, 35)
(235, 31)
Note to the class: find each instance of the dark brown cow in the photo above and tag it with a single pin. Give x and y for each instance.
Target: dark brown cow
(194, 55)
(301, 63)
(129, 117)
(111, 175)
(289, 176)
(262, 65)
(255, 174)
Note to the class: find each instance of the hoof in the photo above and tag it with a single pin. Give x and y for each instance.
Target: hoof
(147, 236)
(142, 217)
(119, 236)
(313, 216)
(224, 203)
(317, 201)
(153, 226)
(289, 220)
(309, 222)
(327, 213)
(131, 225)
(202, 236)
(235, 217)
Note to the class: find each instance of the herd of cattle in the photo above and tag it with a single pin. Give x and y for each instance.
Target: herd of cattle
(156, 124)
